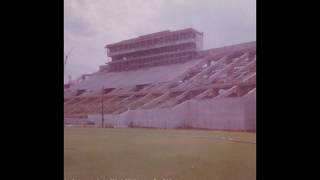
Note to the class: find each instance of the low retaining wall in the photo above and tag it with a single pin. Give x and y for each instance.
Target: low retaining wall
(78, 122)
(220, 114)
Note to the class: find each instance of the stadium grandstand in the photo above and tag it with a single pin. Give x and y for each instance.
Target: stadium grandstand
(167, 80)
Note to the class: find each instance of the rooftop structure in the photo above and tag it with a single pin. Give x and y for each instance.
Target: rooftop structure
(159, 48)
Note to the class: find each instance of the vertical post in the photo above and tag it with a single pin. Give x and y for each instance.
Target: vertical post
(65, 60)
(102, 115)
(64, 65)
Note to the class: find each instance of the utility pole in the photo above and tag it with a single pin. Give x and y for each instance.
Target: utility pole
(66, 60)
(102, 115)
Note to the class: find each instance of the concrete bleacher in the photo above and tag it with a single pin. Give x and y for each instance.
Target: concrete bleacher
(133, 77)
(216, 74)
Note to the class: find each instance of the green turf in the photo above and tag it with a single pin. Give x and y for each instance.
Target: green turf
(96, 153)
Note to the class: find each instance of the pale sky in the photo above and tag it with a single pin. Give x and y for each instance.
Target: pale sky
(91, 24)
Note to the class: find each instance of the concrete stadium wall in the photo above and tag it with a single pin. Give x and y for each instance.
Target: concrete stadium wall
(250, 112)
(155, 118)
(221, 114)
(78, 122)
(225, 113)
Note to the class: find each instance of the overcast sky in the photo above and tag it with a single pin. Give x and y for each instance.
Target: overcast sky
(91, 24)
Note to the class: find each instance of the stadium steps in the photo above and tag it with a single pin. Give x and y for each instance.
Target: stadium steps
(156, 101)
(142, 101)
(227, 92)
(208, 94)
(77, 108)
(123, 106)
(171, 101)
(187, 96)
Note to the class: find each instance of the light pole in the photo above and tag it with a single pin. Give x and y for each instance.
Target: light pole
(102, 115)
(66, 60)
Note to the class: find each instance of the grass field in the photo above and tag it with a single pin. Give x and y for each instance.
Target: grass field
(96, 153)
